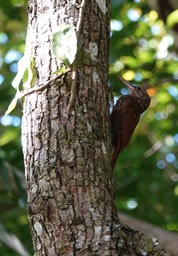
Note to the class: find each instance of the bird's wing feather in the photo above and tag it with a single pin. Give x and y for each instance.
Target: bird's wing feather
(124, 119)
(130, 117)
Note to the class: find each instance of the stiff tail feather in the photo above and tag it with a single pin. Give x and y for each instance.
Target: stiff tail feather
(115, 155)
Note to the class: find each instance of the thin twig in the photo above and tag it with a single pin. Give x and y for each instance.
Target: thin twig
(81, 14)
(39, 88)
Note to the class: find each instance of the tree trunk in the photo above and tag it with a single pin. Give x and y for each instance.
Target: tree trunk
(66, 141)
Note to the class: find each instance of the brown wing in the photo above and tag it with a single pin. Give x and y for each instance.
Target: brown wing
(124, 119)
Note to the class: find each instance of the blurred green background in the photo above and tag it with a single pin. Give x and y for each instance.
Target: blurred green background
(143, 51)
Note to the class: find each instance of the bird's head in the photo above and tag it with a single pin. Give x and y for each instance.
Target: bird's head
(139, 93)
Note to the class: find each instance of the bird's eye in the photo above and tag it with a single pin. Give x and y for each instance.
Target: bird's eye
(138, 88)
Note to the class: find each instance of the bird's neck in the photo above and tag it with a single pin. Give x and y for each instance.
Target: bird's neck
(143, 103)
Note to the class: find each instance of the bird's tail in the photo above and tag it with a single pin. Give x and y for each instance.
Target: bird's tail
(115, 155)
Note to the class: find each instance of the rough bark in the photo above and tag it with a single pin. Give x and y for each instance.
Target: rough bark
(167, 238)
(66, 153)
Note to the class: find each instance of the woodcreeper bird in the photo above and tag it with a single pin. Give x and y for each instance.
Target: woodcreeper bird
(125, 116)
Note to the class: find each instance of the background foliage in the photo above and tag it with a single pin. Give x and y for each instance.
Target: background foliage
(146, 176)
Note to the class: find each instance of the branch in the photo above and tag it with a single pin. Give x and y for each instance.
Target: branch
(166, 238)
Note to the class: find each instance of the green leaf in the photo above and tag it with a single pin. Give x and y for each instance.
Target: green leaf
(7, 136)
(12, 241)
(62, 70)
(172, 19)
(65, 44)
(29, 77)
(22, 66)
(13, 103)
(26, 71)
